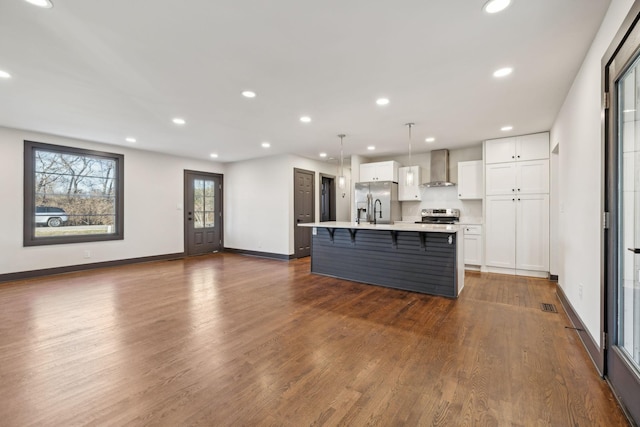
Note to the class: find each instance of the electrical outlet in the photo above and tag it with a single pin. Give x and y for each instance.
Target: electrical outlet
(87, 254)
(580, 287)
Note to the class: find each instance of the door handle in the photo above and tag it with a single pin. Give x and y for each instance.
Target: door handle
(634, 250)
(298, 220)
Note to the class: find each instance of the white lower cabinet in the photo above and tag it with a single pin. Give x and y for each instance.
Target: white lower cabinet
(500, 223)
(473, 245)
(517, 232)
(532, 232)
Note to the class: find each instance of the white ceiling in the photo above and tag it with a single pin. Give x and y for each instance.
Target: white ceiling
(102, 71)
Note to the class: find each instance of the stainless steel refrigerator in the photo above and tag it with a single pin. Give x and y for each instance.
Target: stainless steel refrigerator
(378, 196)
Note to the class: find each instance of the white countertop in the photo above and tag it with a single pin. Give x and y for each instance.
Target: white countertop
(438, 228)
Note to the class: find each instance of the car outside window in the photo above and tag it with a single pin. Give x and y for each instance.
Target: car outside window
(72, 195)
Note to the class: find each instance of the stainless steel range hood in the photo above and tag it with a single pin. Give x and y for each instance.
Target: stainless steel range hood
(439, 169)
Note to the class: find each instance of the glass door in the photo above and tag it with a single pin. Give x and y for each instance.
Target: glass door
(628, 298)
(622, 148)
(203, 213)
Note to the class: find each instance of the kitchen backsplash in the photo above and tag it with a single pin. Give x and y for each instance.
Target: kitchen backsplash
(443, 197)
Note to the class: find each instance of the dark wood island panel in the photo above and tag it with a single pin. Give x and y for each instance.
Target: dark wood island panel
(424, 262)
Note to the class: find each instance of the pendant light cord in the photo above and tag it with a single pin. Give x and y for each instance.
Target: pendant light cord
(341, 155)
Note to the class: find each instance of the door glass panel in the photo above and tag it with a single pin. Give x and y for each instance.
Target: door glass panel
(203, 203)
(628, 302)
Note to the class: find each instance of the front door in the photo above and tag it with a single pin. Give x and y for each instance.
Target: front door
(303, 210)
(622, 288)
(203, 212)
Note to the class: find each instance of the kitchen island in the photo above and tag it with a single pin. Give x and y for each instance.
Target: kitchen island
(424, 258)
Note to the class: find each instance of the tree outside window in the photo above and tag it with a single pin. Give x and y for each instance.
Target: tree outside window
(72, 195)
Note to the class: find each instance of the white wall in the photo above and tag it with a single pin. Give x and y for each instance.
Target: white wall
(580, 168)
(153, 224)
(259, 202)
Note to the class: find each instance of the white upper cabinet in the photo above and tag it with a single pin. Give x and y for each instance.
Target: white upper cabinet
(409, 192)
(379, 171)
(501, 179)
(532, 147)
(470, 184)
(519, 148)
(500, 150)
(530, 177)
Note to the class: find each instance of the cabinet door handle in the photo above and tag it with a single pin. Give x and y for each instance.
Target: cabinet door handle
(634, 250)
(518, 189)
(513, 200)
(513, 157)
(518, 156)
(513, 189)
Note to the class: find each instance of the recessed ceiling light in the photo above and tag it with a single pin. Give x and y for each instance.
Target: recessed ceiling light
(429, 139)
(266, 145)
(213, 155)
(129, 139)
(305, 119)
(41, 3)
(382, 101)
(323, 154)
(4, 75)
(249, 94)
(503, 72)
(506, 128)
(179, 121)
(495, 6)
(371, 148)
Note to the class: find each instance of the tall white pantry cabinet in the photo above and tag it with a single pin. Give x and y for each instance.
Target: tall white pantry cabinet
(517, 205)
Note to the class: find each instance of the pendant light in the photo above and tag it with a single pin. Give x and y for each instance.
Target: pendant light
(341, 178)
(409, 176)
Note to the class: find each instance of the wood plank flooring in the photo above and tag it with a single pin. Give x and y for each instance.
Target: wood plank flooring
(230, 340)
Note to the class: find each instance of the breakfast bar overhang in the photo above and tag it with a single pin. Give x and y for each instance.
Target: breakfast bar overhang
(423, 258)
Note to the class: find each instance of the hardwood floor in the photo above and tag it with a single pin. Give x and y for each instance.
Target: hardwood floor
(233, 340)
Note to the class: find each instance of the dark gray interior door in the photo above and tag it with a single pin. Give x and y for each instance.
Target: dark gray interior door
(202, 212)
(622, 288)
(303, 210)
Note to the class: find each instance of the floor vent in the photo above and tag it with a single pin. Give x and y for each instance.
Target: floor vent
(550, 308)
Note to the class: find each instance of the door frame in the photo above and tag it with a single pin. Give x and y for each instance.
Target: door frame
(185, 191)
(334, 198)
(627, 45)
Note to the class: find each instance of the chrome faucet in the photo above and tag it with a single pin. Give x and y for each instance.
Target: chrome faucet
(374, 210)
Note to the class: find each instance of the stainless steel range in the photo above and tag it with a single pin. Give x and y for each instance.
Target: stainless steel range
(439, 216)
